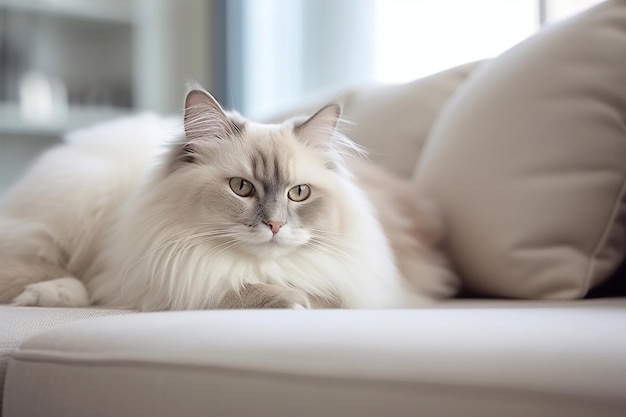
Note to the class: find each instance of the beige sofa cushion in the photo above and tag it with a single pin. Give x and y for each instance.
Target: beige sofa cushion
(19, 323)
(393, 121)
(435, 362)
(528, 162)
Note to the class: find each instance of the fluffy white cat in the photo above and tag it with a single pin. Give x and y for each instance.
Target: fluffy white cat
(228, 213)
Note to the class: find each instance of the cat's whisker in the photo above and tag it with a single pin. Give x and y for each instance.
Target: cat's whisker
(344, 251)
(341, 239)
(335, 242)
(228, 247)
(325, 232)
(333, 250)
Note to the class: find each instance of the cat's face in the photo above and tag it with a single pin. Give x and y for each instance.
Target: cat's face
(270, 195)
(264, 189)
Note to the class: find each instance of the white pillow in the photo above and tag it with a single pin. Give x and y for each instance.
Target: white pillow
(528, 162)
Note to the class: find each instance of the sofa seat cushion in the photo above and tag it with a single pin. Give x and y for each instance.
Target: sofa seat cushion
(472, 360)
(19, 323)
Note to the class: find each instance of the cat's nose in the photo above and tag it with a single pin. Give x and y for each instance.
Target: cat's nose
(275, 225)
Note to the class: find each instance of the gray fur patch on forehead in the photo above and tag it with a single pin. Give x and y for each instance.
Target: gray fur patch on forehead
(270, 164)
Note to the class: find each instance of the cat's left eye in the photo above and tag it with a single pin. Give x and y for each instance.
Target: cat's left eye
(299, 193)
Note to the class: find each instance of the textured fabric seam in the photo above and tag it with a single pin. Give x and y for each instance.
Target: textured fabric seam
(603, 239)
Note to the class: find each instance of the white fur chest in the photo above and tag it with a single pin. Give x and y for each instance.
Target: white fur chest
(198, 279)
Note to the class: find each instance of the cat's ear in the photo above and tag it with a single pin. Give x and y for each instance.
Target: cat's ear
(320, 129)
(204, 118)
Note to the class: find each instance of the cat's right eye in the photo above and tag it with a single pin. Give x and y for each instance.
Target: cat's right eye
(241, 187)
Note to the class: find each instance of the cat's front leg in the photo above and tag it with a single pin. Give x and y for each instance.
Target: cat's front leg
(265, 296)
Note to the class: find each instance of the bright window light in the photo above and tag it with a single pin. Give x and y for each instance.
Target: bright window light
(415, 38)
(561, 9)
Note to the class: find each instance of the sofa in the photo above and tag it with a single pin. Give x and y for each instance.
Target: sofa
(525, 155)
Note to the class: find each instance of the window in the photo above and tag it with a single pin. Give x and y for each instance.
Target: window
(415, 38)
(560, 9)
(292, 50)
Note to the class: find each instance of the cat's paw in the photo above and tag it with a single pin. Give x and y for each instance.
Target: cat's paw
(288, 298)
(262, 295)
(60, 292)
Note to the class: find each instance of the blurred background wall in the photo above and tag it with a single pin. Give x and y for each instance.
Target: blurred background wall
(69, 63)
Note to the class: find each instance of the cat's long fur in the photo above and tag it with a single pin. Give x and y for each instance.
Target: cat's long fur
(144, 216)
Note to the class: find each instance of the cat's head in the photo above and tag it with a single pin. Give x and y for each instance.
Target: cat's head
(264, 189)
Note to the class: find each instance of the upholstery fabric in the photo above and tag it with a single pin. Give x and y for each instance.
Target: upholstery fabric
(528, 162)
(19, 323)
(545, 359)
(409, 111)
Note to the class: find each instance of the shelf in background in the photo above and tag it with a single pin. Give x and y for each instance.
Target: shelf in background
(120, 11)
(12, 122)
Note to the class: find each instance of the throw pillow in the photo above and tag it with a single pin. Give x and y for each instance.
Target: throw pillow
(528, 162)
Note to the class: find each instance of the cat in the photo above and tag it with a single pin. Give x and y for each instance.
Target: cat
(216, 211)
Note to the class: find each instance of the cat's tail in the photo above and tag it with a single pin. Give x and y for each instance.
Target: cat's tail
(414, 300)
(126, 138)
(431, 283)
(19, 271)
(33, 281)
